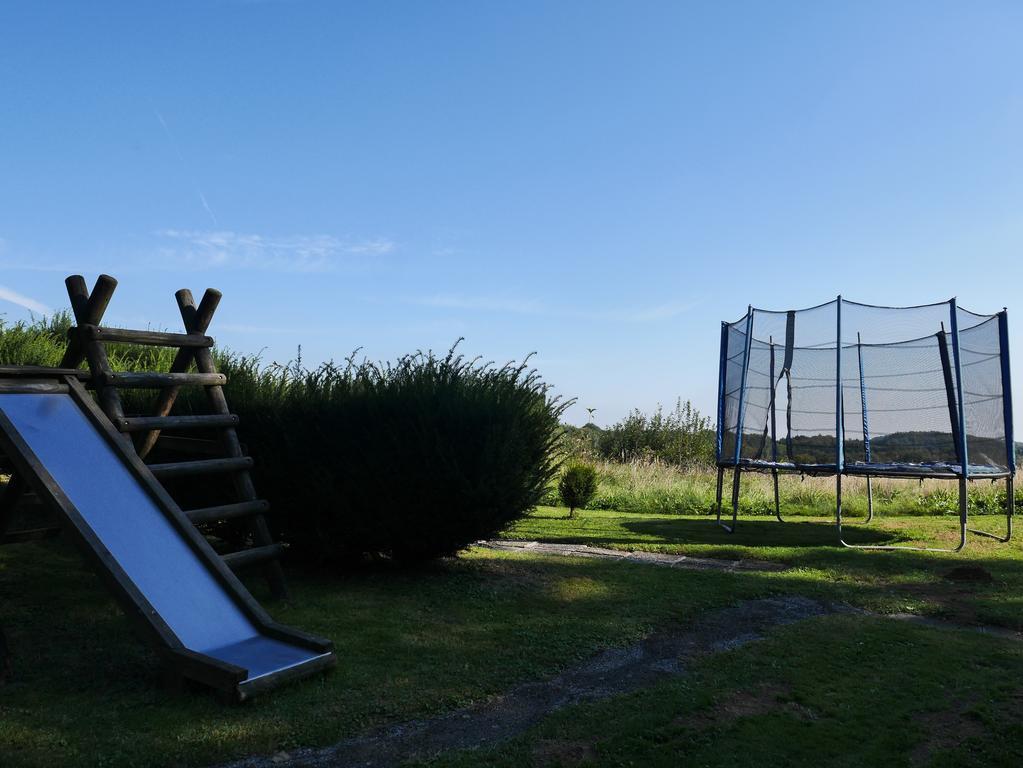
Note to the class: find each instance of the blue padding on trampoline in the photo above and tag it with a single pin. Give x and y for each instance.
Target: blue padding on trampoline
(765, 464)
(145, 543)
(923, 469)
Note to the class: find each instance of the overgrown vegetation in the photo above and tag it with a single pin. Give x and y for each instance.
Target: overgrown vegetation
(412, 459)
(655, 487)
(681, 437)
(43, 341)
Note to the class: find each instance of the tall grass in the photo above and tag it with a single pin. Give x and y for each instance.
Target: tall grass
(43, 341)
(654, 486)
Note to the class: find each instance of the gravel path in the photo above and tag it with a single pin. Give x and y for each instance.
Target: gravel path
(653, 558)
(663, 654)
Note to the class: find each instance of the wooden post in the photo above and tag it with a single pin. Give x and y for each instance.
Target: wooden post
(201, 319)
(194, 318)
(88, 310)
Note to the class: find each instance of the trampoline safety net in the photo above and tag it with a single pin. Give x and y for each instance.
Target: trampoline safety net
(858, 389)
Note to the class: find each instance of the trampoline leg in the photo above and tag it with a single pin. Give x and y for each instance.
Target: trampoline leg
(1010, 509)
(963, 508)
(735, 502)
(870, 501)
(777, 501)
(838, 504)
(721, 482)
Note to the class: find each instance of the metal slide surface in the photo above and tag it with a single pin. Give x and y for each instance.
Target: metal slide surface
(161, 564)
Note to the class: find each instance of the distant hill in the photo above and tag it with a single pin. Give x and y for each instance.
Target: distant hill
(897, 448)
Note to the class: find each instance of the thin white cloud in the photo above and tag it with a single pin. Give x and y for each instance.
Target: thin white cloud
(207, 249)
(6, 294)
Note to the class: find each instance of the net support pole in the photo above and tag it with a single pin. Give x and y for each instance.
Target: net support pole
(1003, 355)
(866, 426)
(1010, 437)
(741, 417)
(839, 436)
(950, 395)
(740, 421)
(722, 367)
(964, 474)
(1010, 440)
(774, 435)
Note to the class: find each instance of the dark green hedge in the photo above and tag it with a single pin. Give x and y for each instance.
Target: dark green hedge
(414, 459)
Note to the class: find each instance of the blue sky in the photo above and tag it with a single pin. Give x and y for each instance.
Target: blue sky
(598, 182)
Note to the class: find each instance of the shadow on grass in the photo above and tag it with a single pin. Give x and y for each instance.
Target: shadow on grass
(759, 533)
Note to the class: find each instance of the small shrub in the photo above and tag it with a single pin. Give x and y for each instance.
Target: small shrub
(577, 486)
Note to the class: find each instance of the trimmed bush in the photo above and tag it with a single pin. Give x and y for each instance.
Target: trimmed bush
(577, 486)
(412, 460)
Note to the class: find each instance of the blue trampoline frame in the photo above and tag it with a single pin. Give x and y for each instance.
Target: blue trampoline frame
(962, 470)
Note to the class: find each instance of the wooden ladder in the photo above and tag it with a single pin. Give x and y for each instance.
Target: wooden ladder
(87, 341)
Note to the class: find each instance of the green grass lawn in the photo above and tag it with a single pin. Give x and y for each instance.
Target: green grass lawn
(881, 581)
(837, 691)
(412, 643)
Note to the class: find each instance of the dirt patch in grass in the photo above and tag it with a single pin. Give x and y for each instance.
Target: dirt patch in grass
(945, 730)
(955, 601)
(747, 703)
(969, 574)
(548, 753)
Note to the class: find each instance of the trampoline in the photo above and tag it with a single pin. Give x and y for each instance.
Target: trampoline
(850, 389)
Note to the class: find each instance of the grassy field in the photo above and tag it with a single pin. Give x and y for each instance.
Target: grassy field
(412, 643)
(652, 486)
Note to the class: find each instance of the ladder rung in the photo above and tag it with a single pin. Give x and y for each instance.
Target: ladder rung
(203, 421)
(150, 338)
(201, 467)
(228, 511)
(247, 557)
(39, 370)
(157, 380)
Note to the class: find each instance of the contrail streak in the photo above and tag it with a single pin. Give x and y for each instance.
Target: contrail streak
(31, 305)
(181, 159)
